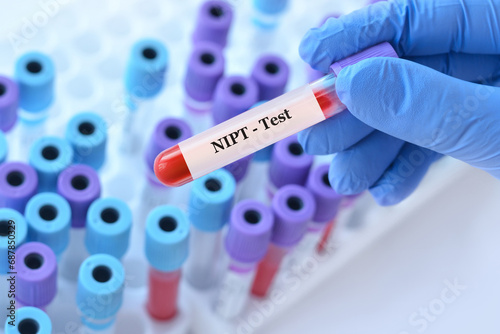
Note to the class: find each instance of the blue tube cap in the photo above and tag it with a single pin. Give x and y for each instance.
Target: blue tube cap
(17, 235)
(49, 220)
(35, 75)
(109, 221)
(147, 65)
(211, 199)
(4, 148)
(101, 276)
(167, 233)
(87, 133)
(29, 320)
(270, 7)
(49, 156)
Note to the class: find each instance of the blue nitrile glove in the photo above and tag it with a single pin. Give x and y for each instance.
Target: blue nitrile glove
(419, 112)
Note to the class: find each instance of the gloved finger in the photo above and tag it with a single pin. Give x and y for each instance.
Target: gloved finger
(470, 67)
(425, 107)
(404, 175)
(359, 167)
(414, 28)
(334, 134)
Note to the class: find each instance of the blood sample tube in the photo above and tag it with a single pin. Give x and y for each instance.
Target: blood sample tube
(244, 134)
(49, 156)
(80, 186)
(18, 183)
(213, 22)
(109, 221)
(36, 267)
(87, 133)
(27, 320)
(35, 76)
(205, 69)
(246, 244)
(9, 103)
(144, 80)
(293, 206)
(267, 13)
(327, 207)
(49, 220)
(288, 155)
(209, 207)
(99, 296)
(270, 72)
(167, 234)
(4, 148)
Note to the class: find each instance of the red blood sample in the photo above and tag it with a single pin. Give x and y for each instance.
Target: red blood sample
(326, 236)
(162, 295)
(171, 168)
(267, 270)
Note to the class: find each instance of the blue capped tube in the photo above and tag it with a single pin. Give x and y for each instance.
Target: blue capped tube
(28, 320)
(12, 228)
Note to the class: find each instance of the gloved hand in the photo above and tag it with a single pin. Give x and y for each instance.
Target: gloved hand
(404, 115)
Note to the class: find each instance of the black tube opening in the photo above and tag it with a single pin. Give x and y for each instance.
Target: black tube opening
(173, 132)
(80, 182)
(216, 11)
(48, 212)
(213, 185)
(4, 228)
(272, 68)
(34, 67)
(110, 215)
(252, 216)
(168, 224)
(207, 58)
(15, 178)
(3, 89)
(238, 89)
(50, 152)
(295, 203)
(33, 261)
(325, 179)
(295, 149)
(149, 53)
(28, 326)
(86, 128)
(101, 274)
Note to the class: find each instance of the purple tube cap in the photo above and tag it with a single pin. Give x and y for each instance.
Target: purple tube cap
(213, 23)
(289, 163)
(249, 231)
(327, 200)
(293, 206)
(380, 50)
(205, 68)
(167, 133)
(233, 95)
(18, 183)
(270, 72)
(80, 186)
(36, 274)
(9, 103)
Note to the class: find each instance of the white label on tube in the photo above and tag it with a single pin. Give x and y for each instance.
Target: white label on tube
(251, 131)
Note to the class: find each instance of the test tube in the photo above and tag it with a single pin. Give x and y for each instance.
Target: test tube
(18, 183)
(144, 79)
(270, 72)
(80, 186)
(49, 156)
(293, 206)
(101, 280)
(168, 132)
(213, 22)
(167, 246)
(109, 221)
(36, 267)
(49, 220)
(35, 76)
(4, 148)
(246, 243)
(28, 320)
(288, 155)
(205, 68)
(267, 13)
(259, 127)
(87, 134)
(9, 103)
(209, 207)
(327, 207)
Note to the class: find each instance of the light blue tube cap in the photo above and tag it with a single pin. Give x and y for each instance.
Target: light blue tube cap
(270, 7)
(49, 220)
(29, 320)
(35, 75)
(211, 199)
(101, 277)
(109, 221)
(10, 236)
(4, 147)
(147, 65)
(167, 233)
(49, 156)
(87, 133)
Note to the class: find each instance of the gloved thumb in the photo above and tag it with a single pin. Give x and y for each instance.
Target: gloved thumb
(427, 108)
